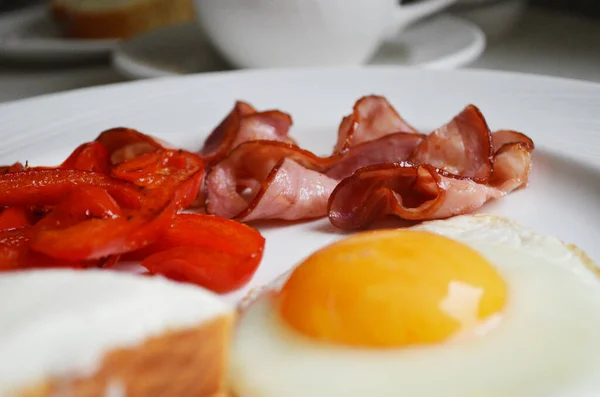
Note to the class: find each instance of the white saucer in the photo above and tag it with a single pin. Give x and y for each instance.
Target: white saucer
(441, 42)
(30, 35)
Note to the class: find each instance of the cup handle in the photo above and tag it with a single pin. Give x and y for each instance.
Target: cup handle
(405, 15)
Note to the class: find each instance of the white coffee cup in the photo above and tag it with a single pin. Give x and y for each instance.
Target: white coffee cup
(290, 33)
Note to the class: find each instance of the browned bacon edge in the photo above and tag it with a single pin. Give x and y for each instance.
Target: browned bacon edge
(422, 192)
(453, 170)
(244, 123)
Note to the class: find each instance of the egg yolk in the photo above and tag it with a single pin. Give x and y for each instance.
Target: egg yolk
(391, 288)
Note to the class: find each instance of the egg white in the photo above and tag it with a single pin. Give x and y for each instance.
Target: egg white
(547, 343)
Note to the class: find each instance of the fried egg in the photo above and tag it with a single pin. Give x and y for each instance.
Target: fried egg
(473, 306)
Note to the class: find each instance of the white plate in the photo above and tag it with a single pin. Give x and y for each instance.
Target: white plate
(560, 115)
(441, 42)
(30, 35)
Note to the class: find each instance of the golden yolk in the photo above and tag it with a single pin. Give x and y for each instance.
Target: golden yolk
(391, 288)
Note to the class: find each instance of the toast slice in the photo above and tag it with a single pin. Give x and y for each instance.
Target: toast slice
(116, 19)
(97, 333)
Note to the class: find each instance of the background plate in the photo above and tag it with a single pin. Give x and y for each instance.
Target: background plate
(30, 35)
(440, 42)
(560, 115)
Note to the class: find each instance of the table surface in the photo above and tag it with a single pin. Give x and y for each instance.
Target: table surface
(543, 42)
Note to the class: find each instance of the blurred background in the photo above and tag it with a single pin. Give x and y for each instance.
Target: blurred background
(54, 45)
(584, 7)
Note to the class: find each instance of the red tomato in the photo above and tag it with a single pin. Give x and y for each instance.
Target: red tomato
(218, 271)
(16, 255)
(89, 212)
(91, 156)
(207, 231)
(216, 253)
(15, 217)
(124, 144)
(167, 188)
(50, 186)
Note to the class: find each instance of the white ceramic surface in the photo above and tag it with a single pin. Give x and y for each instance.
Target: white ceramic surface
(30, 35)
(440, 42)
(560, 115)
(497, 18)
(292, 33)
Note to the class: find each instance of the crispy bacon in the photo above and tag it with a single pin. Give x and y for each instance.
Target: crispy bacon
(385, 167)
(412, 192)
(460, 180)
(373, 117)
(254, 182)
(387, 149)
(243, 124)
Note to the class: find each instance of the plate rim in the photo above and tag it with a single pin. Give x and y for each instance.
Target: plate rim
(16, 47)
(157, 83)
(363, 68)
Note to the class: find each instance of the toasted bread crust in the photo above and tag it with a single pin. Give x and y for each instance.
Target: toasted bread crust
(121, 22)
(57, 11)
(189, 362)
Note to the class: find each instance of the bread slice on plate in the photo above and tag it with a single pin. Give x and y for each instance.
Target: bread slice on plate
(103, 333)
(114, 19)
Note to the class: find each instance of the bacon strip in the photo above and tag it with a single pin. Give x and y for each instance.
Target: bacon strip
(512, 165)
(254, 182)
(453, 170)
(462, 147)
(387, 149)
(243, 124)
(255, 170)
(507, 137)
(246, 174)
(373, 117)
(422, 191)
(411, 192)
(290, 192)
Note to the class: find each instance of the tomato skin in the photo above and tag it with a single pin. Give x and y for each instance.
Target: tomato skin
(90, 156)
(49, 186)
(16, 255)
(164, 171)
(218, 271)
(16, 167)
(97, 238)
(15, 217)
(13, 249)
(207, 231)
(125, 144)
(91, 238)
(216, 253)
(86, 202)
